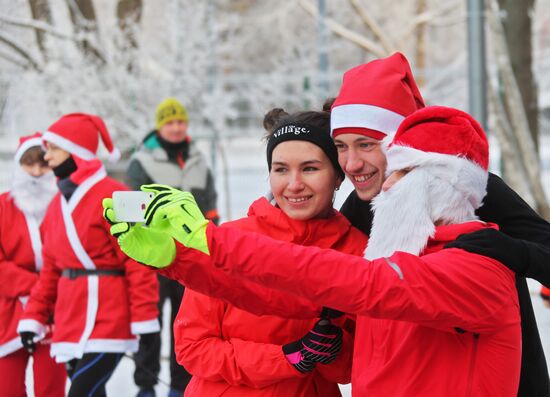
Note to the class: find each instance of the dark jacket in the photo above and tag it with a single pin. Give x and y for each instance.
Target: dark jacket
(506, 208)
(156, 161)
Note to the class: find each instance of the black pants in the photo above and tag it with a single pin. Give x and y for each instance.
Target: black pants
(90, 373)
(148, 356)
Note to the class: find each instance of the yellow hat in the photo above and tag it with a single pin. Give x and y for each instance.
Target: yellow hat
(170, 109)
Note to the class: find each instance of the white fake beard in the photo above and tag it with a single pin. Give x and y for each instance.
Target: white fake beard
(31, 194)
(405, 215)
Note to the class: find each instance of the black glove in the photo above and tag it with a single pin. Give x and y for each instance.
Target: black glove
(512, 253)
(149, 339)
(328, 313)
(27, 339)
(320, 345)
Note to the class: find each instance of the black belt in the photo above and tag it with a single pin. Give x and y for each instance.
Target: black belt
(74, 273)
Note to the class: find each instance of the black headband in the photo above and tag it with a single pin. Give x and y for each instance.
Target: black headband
(304, 132)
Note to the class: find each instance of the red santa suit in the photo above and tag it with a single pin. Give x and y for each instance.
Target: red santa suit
(457, 328)
(94, 313)
(100, 298)
(20, 262)
(430, 321)
(232, 352)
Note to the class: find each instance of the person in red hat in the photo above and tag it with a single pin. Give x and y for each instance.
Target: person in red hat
(430, 321)
(238, 338)
(22, 210)
(373, 100)
(100, 299)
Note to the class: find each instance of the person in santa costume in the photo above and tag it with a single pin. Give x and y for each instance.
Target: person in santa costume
(22, 210)
(100, 299)
(373, 100)
(240, 339)
(430, 321)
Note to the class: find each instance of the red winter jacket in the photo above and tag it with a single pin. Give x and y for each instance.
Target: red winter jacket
(443, 324)
(232, 352)
(92, 313)
(20, 261)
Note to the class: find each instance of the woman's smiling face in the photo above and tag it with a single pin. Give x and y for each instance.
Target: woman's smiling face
(302, 180)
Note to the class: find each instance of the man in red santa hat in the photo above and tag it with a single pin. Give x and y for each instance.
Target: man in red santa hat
(430, 321)
(22, 210)
(373, 101)
(101, 300)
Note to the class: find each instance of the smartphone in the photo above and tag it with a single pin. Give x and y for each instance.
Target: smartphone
(130, 206)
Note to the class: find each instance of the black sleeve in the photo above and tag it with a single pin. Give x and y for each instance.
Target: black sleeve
(136, 175)
(517, 219)
(358, 212)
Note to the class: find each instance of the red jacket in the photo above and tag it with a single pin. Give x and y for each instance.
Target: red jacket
(445, 323)
(92, 313)
(20, 261)
(232, 352)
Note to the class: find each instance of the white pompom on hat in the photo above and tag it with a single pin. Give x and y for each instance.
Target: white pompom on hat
(78, 134)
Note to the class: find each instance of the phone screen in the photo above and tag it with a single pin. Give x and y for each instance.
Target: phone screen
(130, 206)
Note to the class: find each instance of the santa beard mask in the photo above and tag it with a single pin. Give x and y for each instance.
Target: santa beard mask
(405, 215)
(31, 194)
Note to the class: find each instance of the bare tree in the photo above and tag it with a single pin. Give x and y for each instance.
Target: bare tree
(40, 11)
(511, 116)
(516, 20)
(84, 21)
(128, 17)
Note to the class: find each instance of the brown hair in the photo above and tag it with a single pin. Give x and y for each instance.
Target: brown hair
(32, 156)
(327, 106)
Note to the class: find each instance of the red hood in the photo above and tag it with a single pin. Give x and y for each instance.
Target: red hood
(84, 169)
(448, 233)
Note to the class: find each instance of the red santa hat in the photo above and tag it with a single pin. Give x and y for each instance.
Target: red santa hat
(78, 134)
(375, 98)
(447, 155)
(450, 142)
(25, 143)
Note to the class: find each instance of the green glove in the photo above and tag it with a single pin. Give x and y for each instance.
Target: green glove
(145, 245)
(178, 214)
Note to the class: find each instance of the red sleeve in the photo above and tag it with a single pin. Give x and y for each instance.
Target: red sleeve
(15, 281)
(444, 289)
(143, 290)
(195, 270)
(201, 348)
(44, 294)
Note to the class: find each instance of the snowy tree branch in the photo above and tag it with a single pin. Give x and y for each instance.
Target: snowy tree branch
(344, 32)
(371, 23)
(13, 60)
(10, 42)
(37, 25)
(47, 28)
(427, 17)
